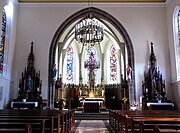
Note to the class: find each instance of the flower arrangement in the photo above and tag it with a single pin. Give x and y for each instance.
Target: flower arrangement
(159, 97)
(124, 99)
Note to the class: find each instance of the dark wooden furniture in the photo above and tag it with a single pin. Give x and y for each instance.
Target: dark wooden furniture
(19, 127)
(30, 85)
(121, 120)
(49, 121)
(153, 86)
(91, 107)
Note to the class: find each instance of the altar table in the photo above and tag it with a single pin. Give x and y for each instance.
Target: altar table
(160, 106)
(24, 105)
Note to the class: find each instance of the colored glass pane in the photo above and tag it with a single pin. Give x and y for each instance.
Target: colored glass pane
(178, 44)
(113, 64)
(2, 44)
(178, 20)
(69, 66)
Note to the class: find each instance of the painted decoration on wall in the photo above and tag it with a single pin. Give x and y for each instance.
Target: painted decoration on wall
(2, 44)
(69, 71)
(113, 64)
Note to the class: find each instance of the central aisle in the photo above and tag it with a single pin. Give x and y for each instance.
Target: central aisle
(91, 126)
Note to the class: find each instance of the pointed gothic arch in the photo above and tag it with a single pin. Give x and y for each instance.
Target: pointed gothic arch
(82, 14)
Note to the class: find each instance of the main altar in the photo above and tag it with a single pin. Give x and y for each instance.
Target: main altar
(91, 96)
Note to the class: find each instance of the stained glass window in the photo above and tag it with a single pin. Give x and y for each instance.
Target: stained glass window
(2, 44)
(178, 20)
(113, 64)
(69, 72)
(178, 44)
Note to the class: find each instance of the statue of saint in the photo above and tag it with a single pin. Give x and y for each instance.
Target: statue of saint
(29, 83)
(59, 82)
(54, 72)
(129, 72)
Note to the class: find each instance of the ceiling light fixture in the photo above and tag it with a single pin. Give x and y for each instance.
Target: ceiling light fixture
(89, 30)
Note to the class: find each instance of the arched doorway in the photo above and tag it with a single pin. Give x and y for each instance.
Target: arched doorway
(118, 31)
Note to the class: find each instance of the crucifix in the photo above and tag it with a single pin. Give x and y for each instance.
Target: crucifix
(91, 64)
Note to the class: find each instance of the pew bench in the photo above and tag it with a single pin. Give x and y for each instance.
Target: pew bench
(52, 119)
(19, 123)
(15, 128)
(166, 129)
(147, 124)
(56, 121)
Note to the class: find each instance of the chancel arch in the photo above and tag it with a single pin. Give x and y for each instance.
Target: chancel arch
(116, 47)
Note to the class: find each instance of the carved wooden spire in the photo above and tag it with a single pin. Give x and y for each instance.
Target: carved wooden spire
(31, 58)
(152, 58)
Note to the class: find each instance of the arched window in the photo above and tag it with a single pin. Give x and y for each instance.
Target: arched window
(113, 64)
(176, 23)
(69, 70)
(3, 36)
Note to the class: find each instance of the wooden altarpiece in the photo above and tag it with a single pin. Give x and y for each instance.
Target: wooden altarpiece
(153, 85)
(30, 84)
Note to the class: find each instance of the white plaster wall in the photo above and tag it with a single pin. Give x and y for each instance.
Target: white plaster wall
(175, 88)
(5, 80)
(143, 24)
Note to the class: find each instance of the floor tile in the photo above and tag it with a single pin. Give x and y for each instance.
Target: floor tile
(91, 126)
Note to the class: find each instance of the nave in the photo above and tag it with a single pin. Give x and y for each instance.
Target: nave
(91, 126)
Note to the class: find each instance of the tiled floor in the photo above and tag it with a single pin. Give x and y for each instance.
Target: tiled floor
(91, 126)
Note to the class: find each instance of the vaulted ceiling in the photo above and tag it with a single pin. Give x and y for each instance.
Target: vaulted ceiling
(124, 1)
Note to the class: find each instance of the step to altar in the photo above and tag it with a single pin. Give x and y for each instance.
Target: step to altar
(102, 115)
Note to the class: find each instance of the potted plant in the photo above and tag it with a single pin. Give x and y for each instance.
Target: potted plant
(159, 97)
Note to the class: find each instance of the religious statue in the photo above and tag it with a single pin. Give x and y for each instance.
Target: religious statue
(58, 84)
(54, 72)
(29, 83)
(129, 72)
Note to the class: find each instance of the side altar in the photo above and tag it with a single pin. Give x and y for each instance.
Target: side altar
(30, 87)
(153, 87)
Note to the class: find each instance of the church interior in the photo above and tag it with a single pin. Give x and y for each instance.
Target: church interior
(117, 61)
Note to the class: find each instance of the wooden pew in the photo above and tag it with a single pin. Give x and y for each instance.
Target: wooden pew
(124, 124)
(24, 128)
(44, 122)
(32, 116)
(147, 124)
(18, 122)
(60, 121)
(166, 129)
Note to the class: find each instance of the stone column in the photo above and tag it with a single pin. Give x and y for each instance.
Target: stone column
(131, 92)
(52, 94)
(102, 68)
(80, 69)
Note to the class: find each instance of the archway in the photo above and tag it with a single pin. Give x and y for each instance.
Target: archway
(106, 18)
